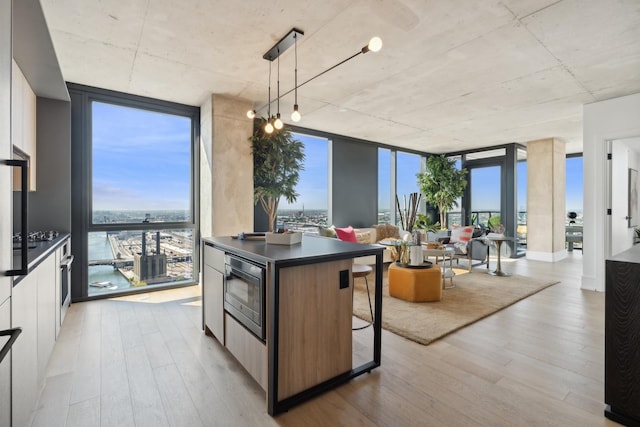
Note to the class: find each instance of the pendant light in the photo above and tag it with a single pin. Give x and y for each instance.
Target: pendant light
(291, 38)
(278, 123)
(268, 128)
(295, 116)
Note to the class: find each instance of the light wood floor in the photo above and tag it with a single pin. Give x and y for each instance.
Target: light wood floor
(144, 361)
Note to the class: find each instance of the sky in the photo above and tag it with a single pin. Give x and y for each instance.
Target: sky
(141, 159)
(486, 188)
(314, 183)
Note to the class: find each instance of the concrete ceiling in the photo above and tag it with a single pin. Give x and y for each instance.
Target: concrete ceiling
(452, 75)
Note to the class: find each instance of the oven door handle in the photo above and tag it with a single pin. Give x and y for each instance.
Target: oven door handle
(24, 232)
(13, 336)
(67, 262)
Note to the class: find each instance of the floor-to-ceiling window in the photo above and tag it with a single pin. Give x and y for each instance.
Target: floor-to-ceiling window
(486, 191)
(574, 188)
(521, 200)
(384, 186)
(454, 216)
(408, 165)
(311, 208)
(136, 205)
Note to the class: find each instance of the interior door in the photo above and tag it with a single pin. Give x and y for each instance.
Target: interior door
(625, 155)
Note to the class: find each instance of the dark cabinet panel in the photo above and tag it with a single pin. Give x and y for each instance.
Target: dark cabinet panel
(622, 338)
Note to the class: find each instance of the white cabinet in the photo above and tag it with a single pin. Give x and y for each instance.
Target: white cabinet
(46, 279)
(23, 123)
(5, 366)
(213, 292)
(33, 305)
(24, 367)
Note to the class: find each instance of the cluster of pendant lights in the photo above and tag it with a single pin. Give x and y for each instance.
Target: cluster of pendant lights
(275, 122)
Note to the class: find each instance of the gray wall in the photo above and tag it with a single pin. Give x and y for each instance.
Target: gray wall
(50, 205)
(354, 183)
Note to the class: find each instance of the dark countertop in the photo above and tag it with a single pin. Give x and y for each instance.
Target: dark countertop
(38, 254)
(630, 255)
(312, 249)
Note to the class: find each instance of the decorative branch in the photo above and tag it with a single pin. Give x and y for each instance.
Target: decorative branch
(408, 213)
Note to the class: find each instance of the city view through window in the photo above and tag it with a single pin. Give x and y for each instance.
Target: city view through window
(141, 175)
(310, 210)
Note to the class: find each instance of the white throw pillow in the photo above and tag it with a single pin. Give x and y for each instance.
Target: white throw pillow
(461, 234)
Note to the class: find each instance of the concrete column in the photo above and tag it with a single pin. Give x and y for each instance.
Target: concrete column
(546, 184)
(226, 167)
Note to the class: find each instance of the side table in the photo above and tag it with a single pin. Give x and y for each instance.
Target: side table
(447, 273)
(498, 241)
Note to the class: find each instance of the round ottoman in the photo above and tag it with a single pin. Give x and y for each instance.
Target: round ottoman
(415, 284)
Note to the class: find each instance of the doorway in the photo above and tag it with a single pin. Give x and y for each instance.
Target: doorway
(624, 164)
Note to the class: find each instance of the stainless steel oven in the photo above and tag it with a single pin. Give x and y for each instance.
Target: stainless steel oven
(244, 293)
(66, 261)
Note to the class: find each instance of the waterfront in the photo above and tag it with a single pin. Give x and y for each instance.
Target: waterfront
(111, 258)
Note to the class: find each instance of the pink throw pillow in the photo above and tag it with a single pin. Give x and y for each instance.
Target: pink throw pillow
(461, 234)
(347, 234)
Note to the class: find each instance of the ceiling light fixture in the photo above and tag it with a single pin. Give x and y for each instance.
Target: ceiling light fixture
(268, 128)
(277, 122)
(374, 45)
(295, 116)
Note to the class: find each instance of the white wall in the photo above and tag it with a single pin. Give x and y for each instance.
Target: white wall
(603, 121)
(625, 156)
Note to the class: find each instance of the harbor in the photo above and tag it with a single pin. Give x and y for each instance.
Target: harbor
(112, 259)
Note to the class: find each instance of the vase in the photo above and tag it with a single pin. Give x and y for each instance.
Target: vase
(405, 255)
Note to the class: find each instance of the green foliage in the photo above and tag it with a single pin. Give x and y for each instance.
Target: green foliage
(493, 222)
(277, 161)
(441, 184)
(423, 222)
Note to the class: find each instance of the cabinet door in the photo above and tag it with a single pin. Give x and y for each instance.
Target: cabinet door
(29, 130)
(213, 294)
(46, 283)
(5, 366)
(24, 366)
(17, 109)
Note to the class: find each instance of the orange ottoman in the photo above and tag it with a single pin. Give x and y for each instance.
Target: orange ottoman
(415, 284)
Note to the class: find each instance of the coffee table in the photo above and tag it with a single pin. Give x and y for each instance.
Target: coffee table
(447, 273)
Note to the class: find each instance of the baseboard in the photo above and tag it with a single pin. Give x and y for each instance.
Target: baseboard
(591, 284)
(546, 256)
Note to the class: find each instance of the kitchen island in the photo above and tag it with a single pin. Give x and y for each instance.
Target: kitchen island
(306, 345)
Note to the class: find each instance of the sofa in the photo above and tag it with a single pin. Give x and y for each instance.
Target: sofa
(369, 235)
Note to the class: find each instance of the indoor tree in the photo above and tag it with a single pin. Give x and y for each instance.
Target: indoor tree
(442, 184)
(277, 161)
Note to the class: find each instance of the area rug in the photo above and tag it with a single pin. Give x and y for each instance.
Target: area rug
(475, 296)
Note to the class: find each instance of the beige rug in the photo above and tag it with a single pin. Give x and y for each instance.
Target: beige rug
(475, 296)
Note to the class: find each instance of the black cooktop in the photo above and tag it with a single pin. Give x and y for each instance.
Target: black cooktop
(37, 236)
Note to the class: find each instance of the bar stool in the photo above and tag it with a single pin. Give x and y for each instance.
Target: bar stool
(361, 270)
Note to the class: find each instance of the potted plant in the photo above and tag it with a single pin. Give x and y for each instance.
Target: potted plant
(277, 161)
(442, 184)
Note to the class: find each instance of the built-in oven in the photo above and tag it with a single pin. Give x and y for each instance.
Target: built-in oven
(66, 261)
(244, 293)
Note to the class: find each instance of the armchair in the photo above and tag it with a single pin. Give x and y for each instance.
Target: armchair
(468, 244)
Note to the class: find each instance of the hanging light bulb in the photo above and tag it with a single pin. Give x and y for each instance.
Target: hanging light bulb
(374, 45)
(251, 114)
(268, 128)
(277, 122)
(295, 116)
